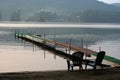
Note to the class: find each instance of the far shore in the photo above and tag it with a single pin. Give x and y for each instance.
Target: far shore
(106, 74)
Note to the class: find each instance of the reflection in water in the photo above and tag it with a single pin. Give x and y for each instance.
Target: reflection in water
(18, 55)
(112, 48)
(17, 58)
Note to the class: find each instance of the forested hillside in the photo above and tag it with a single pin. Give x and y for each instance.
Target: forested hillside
(58, 11)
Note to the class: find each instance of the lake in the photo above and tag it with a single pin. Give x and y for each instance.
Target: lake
(17, 55)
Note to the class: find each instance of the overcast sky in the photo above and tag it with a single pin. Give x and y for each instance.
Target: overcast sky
(110, 1)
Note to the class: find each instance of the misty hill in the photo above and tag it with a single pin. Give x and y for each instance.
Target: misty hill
(55, 5)
(30, 9)
(116, 4)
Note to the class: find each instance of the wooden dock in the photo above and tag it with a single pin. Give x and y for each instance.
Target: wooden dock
(45, 43)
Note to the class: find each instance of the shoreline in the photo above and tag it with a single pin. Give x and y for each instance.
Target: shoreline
(64, 75)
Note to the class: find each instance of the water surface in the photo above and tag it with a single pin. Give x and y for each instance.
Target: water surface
(18, 55)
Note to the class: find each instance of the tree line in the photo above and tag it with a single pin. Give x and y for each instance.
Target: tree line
(81, 16)
(98, 16)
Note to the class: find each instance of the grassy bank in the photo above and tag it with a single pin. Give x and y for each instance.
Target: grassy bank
(111, 59)
(107, 74)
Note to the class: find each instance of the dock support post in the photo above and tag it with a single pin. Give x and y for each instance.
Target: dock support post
(99, 48)
(44, 42)
(70, 46)
(82, 43)
(54, 46)
(33, 45)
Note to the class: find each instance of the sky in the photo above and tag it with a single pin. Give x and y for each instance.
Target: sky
(110, 1)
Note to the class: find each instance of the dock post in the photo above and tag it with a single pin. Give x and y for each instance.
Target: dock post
(44, 42)
(82, 43)
(54, 46)
(99, 48)
(70, 46)
(86, 51)
(33, 45)
(66, 50)
(16, 33)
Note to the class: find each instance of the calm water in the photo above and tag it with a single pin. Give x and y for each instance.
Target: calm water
(17, 55)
